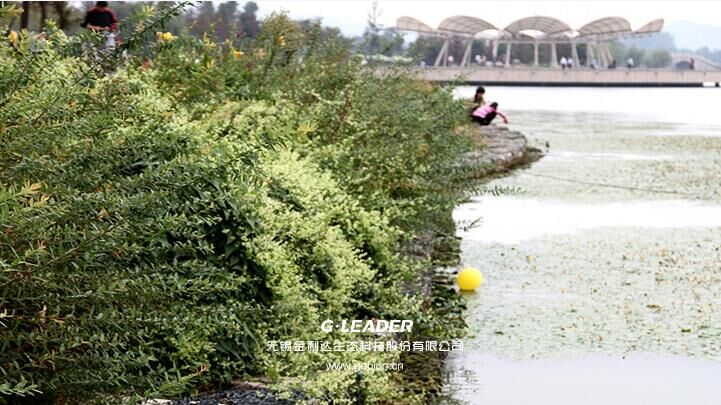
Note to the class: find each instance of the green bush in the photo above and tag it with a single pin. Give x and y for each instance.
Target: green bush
(158, 226)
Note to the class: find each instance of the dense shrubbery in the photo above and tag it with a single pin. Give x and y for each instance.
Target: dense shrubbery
(159, 225)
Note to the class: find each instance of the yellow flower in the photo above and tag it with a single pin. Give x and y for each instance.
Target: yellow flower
(260, 53)
(13, 37)
(281, 41)
(237, 54)
(168, 36)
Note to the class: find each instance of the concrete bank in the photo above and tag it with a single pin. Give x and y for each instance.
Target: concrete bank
(571, 78)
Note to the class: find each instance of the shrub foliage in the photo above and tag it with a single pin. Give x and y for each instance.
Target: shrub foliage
(160, 223)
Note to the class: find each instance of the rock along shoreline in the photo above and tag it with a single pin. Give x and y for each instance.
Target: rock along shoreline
(498, 150)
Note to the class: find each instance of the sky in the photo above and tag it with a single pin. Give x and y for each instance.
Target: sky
(351, 15)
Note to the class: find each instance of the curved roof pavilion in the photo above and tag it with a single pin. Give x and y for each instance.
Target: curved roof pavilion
(609, 26)
(651, 27)
(464, 24)
(546, 25)
(415, 25)
(538, 30)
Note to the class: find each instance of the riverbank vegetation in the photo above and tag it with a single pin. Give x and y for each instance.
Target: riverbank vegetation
(162, 218)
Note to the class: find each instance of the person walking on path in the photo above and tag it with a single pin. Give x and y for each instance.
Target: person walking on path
(102, 19)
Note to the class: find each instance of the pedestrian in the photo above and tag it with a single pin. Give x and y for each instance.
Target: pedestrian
(570, 63)
(563, 62)
(478, 97)
(692, 64)
(478, 101)
(102, 19)
(629, 62)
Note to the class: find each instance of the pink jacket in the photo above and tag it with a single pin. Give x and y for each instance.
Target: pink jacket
(482, 111)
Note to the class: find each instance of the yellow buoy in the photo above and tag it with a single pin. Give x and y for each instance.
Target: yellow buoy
(469, 279)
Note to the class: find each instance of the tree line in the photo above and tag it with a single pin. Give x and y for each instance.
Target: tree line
(226, 20)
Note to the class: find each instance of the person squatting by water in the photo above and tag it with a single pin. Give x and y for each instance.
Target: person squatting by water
(102, 19)
(484, 115)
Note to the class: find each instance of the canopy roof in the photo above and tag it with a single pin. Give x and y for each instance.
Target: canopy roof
(606, 28)
(412, 24)
(465, 24)
(651, 27)
(608, 25)
(547, 25)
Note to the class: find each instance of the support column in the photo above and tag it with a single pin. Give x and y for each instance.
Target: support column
(590, 54)
(554, 55)
(535, 53)
(607, 50)
(441, 58)
(508, 53)
(494, 54)
(574, 54)
(601, 51)
(465, 61)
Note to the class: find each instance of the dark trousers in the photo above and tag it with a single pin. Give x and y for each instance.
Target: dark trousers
(485, 120)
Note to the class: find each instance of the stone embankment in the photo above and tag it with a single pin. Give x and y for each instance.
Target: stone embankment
(499, 149)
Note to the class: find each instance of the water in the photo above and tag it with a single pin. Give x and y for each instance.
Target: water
(603, 278)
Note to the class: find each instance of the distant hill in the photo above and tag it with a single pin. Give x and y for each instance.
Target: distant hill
(690, 35)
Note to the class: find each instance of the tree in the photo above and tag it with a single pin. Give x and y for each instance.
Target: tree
(201, 20)
(226, 18)
(43, 14)
(25, 16)
(659, 58)
(248, 19)
(425, 49)
(377, 40)
(637, 54)
(61, 9)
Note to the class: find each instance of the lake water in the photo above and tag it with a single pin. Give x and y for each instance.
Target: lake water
(603, 274)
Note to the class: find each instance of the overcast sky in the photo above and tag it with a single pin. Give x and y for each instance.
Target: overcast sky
(351, 15)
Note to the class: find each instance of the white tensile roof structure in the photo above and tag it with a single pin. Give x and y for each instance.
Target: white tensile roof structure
(414, 25)
(606, 26)
(468, 25)
(537, 30)
(546, 25)
(465, 25)
(651, 27)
